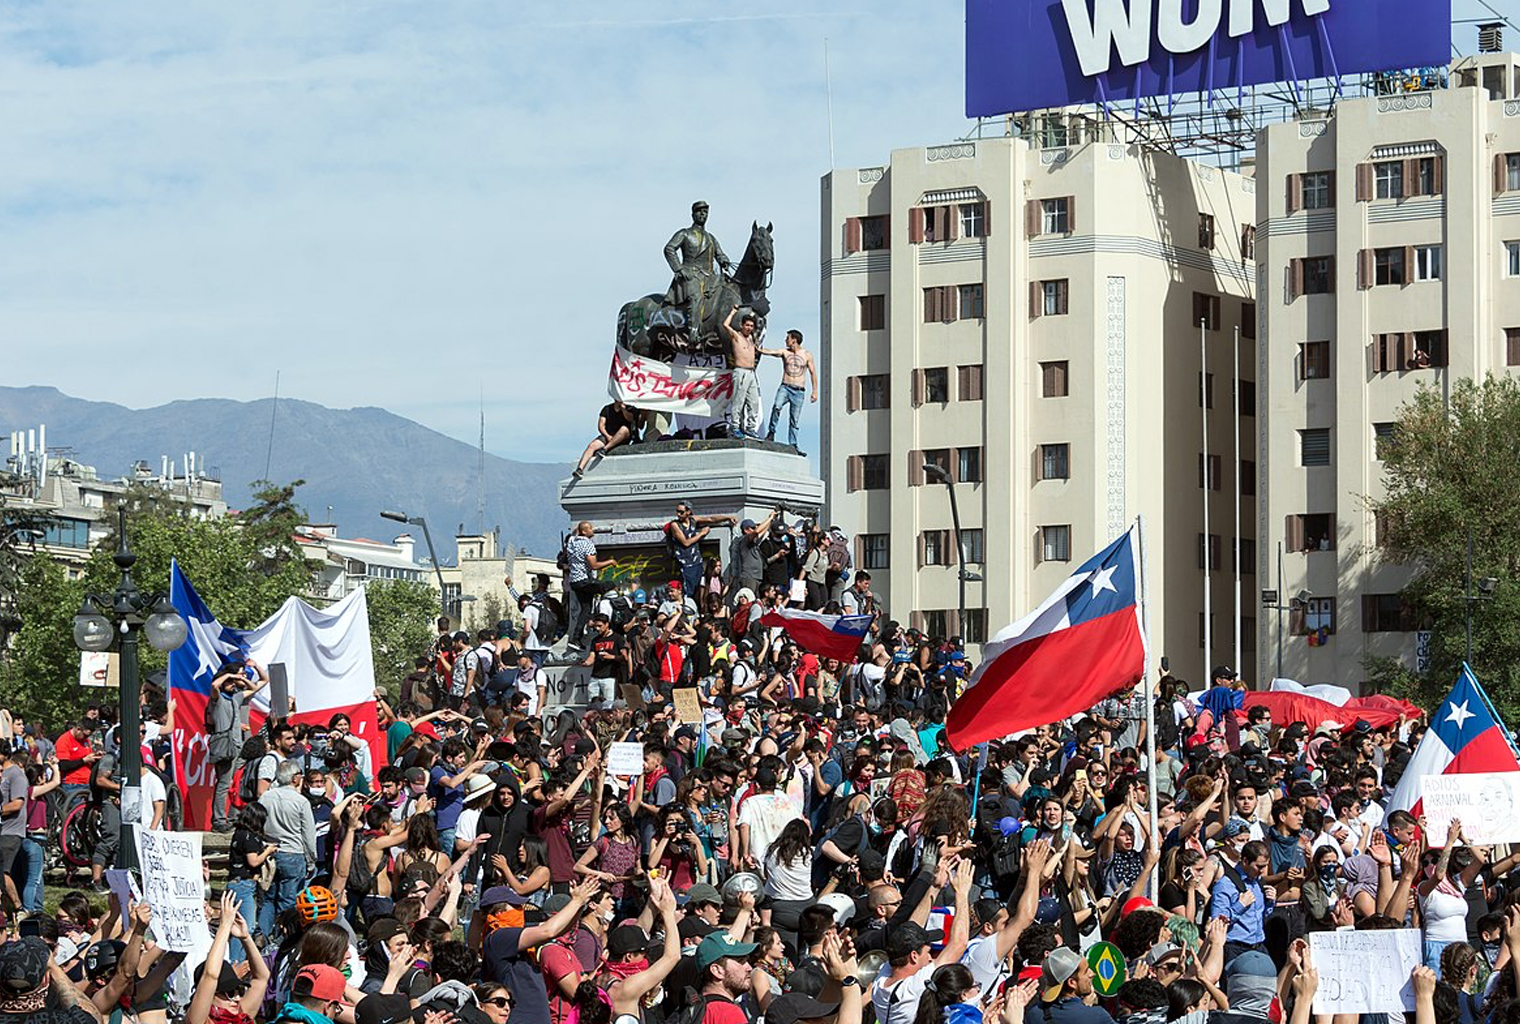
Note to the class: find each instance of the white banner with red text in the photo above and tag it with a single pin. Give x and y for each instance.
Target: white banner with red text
(679, 387)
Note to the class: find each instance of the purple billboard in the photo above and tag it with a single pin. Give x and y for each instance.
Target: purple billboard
(1029, 54)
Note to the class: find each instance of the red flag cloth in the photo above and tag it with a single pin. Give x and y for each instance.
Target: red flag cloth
(828, 636)
(1288, 706)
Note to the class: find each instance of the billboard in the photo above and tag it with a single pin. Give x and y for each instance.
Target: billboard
(1030, 54)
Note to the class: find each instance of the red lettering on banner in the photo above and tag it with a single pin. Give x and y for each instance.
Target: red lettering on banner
(636, 378)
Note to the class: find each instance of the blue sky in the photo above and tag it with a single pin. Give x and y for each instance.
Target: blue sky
(399, 204)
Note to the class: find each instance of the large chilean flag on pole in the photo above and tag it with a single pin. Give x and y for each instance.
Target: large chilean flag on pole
(1086, 641)
(1463, 738)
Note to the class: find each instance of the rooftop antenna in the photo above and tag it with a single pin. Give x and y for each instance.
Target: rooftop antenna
(269, 452)
(480, 470)
(828, 86)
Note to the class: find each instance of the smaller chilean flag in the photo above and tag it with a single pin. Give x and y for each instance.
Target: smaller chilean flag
(1086, 641)
(828, 636)
(1463, 738)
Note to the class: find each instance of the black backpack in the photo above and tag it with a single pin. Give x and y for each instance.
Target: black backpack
(551, 624)
(1006, 859)
(1166, 725)
(360, 877)
(693, 1008)
(248, 785)
(622, 612)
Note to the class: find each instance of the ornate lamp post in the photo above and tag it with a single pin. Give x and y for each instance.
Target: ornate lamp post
(128, 612)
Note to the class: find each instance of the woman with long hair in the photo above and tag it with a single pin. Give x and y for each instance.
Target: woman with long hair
(788, 870)
(616, 854)
(771, 966)
(676, 852)
(908, 785)
(422, 846)
(814, 571)
(246, 857)
(1442, 892)
(1187, 878)
(533, 883)
(951, 996)
(712, 578)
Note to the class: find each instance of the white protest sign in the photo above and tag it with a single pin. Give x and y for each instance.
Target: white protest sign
(1365, 972)
(175, 888)
(1487, 804)
(625, 759)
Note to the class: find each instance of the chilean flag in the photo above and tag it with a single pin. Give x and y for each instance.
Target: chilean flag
(1086, 641)
(1463, 738)
(191, 669)
(828, 636)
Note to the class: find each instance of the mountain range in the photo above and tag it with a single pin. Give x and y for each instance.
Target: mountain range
(358, 461)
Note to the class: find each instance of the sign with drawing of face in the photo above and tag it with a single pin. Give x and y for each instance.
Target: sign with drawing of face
(1487, 804)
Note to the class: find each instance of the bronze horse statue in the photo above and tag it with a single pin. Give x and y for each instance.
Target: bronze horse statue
(650, 327)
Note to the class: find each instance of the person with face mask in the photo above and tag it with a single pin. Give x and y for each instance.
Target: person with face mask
(1443, 900)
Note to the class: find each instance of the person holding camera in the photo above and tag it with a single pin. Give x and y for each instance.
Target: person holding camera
(675, 852)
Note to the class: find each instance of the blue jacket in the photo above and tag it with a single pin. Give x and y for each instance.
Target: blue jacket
(1246, 923)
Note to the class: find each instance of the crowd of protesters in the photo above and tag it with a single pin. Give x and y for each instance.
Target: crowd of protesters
(809, 850)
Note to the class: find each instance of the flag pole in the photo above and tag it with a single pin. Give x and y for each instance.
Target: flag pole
(1204, 397)
(1150, 699)
(1235, 524)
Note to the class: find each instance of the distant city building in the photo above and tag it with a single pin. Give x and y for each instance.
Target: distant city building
(474, 587)
(340, 565)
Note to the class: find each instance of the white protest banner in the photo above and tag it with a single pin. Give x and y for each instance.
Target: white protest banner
(646, 383)
(1487, 804)
(175, 888)
(625, 759)
(1365, 972)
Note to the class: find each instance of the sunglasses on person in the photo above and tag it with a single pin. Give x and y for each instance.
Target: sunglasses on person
(500, 1002)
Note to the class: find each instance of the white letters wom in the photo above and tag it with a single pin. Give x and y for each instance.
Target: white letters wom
(1125, 25)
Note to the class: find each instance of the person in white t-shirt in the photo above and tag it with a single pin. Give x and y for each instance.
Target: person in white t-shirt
(996, 930)
(536, 646)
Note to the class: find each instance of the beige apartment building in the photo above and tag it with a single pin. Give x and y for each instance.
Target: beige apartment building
(1388, 253)
(1027, 318)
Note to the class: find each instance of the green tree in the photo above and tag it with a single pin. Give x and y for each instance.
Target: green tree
(39, 669)
(401, 614)
(271, 523)
(20, 531)
(1450, 474)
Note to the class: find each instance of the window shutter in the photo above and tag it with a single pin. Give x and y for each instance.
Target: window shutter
(1295, 193)
(851, 235)
(949, 303)
(1032, 223)
(1330, 276)
(1499, 175)
(952, 223)
(953, 622)
(976, 383)
(1296, 619)
(1375, 353)
(852, 395)
(1063, 296)
(1438, 175)
(923, 554)
(1330, 188)
(1406, 350)
(1363, 182)
(916, 225)
(886, 232)
(1411, 184)
(917, 388)
(1295, 278)
(931, 305)
(859, 545)
(1294, 529)
(1365, 271)
(987, 218)
(1036, 300)
(1060, 376)
(1245, 239)
(855, 473)
(915, 469)
(1408, 264)
(1039, 464)
(1071, 215)
(916, 621)
(963, 383)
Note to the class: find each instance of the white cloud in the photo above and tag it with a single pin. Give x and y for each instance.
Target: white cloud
(395, 204)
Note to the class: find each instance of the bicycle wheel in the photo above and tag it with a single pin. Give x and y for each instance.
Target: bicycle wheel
(80, 833)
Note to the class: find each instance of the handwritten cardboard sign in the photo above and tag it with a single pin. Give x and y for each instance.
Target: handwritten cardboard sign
(175, 889)
(1365, 972)
(625, 759)
(688, 705)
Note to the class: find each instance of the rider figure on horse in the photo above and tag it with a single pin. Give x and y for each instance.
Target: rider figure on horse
(695, 277)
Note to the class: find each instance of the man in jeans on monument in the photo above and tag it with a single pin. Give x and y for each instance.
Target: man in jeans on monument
(796, 368)
(580, 552)
(744, 348)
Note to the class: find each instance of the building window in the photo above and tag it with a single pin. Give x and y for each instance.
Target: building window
(1319, 275)
(1053, 297)
(940, 304)
(937, 623)
(875, 550)
(1382, 439)
(873, 233)
(1316, 186)
(1314, 360)
(1427, 263)
(1385, 613)
(937, 384)
(1206, 310)
(1205, 390)
(876, 391)
(1248, 398)
(971, 301)
(875, 472)
(973, 220)
(1245, 556)
(1313, 531)
(1429, 349)
(1512, 346)
(1205, 231)
(935, 548)
(1214, 471)
(1053, 378)
(66, 533)
(1388, 265)
(1213, 550)
(1314, 447)
(969, 383)
(1511, 171)
(974, 626)
(968, 465)
(452, 592)
(935, 457)
(1248, 242)
(1247, 477)
(1248, 320)
(1055, 461)
(1316, 615)
(1055, 216)
(972, 546)
(1388, 179)
(1055, 543)
(1512, 259)
(873, 312)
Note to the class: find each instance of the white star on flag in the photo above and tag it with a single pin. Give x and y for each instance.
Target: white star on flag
(1103, 579)
(1460, 714)
(208, 644)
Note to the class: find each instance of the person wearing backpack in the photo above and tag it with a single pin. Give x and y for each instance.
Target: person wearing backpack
(539, 626)
(231, 691)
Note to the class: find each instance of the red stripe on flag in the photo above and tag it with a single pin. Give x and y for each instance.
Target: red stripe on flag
(812, 635)
(1049, 678)
(1485, 752)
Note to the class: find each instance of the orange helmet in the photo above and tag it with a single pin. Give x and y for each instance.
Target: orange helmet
(316, 904)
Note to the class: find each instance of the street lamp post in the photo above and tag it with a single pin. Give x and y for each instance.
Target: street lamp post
(402, 517)
(937, 472)
(130, 612)
(1485, 592)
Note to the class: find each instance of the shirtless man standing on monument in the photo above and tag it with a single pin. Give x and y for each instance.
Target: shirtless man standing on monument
(795, 362)
(744, 411)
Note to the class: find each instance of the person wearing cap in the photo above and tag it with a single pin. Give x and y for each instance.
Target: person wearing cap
(795, 1007)
(910, 960)
(316, 996)
(745, 565)
(231, 690)
(1238, 895)
(508, 951)
(1250, 985)
(634, 977)
(724, 969)
(684, 535)
(34, 989)
(1065, 982)
(218, 985)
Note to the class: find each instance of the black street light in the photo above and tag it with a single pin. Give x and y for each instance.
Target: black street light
(118, 617)
(1485, 592)
(402, 517)
(937, 472)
